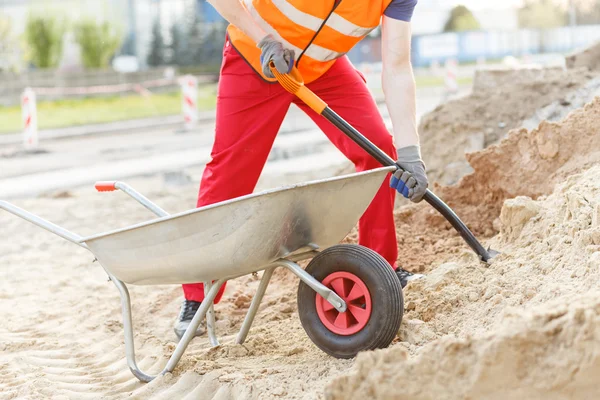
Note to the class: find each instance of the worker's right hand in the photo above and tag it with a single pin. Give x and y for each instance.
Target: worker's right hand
(272, 50)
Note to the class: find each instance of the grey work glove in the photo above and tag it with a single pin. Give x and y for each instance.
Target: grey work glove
(410, 181)
(272, 50)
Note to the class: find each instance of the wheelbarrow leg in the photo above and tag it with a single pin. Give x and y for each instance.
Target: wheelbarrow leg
(210, 318)
(191, 330)
(317, 286)
(128, 330)
(110, 186)
(260, 292)
(181, 346)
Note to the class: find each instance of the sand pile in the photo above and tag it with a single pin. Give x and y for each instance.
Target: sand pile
(526, 163)
(587, 58)
(559, 109)
(61, 331)
(491, 347)
(279, 360)
(500, 101)
(549, 353)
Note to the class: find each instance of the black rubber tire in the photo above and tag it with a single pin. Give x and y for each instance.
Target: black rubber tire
(387, 302)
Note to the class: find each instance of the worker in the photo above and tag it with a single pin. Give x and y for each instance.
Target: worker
(314, 36)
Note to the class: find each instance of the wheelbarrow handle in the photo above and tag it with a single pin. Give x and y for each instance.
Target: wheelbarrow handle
(294, 84)
(106, 186)
(111, 186)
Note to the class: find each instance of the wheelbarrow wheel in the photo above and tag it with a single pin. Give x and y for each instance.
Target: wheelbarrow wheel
(372, 292)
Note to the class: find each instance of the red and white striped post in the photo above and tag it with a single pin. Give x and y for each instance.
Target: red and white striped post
(189, 88)
(29, 115)
(451, 80)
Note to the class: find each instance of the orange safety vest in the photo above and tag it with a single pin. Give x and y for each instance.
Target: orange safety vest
(318, 31)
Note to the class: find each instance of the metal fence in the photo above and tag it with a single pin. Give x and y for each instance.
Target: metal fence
(52, 84)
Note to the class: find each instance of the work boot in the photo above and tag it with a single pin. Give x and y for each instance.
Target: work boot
(188, 310)
(406, 276)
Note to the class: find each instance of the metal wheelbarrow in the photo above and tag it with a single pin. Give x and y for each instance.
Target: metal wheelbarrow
(349, 298)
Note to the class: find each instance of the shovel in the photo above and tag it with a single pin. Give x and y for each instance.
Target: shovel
(294, 83)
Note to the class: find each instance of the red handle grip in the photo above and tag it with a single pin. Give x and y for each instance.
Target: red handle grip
(105, 186)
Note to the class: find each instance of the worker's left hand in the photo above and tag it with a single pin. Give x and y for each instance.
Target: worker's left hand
(410, 181)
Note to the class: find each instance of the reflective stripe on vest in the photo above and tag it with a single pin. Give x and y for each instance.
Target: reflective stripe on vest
(335, 21)
(317, 31)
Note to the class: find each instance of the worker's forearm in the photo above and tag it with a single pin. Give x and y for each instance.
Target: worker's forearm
(400, 97)
(235, 13)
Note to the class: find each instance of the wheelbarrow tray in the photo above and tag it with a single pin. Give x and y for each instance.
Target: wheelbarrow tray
(238, 236)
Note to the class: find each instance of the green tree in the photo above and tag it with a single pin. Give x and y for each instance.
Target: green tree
(7, 43)
(213, 44)
(128, 47)
(156, 56)
(195, 42)
(587, 12)
(5, 34)
(178, 46)
(461, 19)
(44, 38)
(542, 14)
(196, 39)
(98, 42)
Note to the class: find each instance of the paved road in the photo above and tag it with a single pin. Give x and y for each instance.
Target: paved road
(82, 159)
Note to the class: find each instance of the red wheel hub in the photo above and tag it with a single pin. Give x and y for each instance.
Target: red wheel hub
(358, 300)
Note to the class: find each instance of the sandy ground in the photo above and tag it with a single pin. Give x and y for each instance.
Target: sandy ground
(525, 326)
(61, 334)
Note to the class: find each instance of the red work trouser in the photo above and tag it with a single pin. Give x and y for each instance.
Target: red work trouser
(249, 114)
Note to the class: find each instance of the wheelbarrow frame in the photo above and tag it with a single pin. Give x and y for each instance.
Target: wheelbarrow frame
(206, 309)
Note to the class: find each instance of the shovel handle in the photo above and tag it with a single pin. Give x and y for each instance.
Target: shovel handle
(294, 83)
(429, 196)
